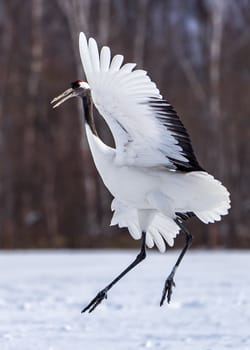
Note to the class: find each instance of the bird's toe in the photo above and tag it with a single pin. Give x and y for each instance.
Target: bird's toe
(167, 290)
(96, 301)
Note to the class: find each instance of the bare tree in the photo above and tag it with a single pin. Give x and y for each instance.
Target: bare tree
(217, 9)
(104, 21)
(33, 79)
(140, 34)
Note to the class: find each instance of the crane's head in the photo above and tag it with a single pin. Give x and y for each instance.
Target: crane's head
(78, 88)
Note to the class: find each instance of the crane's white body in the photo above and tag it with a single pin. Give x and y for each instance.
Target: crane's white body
(148, 198)
(141, 172)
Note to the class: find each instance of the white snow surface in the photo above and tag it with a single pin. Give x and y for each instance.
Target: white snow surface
(43, 292)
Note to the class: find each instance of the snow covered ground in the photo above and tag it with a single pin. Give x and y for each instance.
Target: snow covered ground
(42, 294)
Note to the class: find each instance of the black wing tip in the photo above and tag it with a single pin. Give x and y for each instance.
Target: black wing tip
(185, 216)
(186, 166)
(171, 120)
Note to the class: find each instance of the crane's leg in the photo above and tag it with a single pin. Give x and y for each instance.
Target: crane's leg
(103, 293)
(169, 283)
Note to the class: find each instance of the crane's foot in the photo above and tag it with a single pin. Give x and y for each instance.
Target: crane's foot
(96, 301)
(168, 289)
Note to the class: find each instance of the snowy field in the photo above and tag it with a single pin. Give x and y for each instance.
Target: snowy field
(42, 294)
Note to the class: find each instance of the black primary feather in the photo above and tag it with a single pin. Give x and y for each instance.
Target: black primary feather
(167, 115)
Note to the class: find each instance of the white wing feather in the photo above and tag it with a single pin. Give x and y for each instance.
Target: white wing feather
(143, 134)
(162, 229)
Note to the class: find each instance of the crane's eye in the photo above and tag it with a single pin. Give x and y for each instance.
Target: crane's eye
(76, 84)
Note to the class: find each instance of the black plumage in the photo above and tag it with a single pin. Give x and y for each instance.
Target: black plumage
(169, 118)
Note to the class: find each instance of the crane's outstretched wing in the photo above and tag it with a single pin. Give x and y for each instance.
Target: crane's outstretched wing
(146, 129)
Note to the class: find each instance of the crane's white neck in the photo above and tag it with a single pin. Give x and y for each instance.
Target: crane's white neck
(101, 153)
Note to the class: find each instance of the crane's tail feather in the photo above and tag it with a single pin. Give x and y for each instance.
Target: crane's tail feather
(162, 229)
(206, 197)
(212, 198)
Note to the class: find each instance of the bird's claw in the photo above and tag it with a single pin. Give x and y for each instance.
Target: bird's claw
(96, 301)
(168, 289)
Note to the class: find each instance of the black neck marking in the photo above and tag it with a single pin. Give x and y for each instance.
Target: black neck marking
(88, 111)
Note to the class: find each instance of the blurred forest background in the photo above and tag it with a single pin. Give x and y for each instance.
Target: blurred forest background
(198, 52)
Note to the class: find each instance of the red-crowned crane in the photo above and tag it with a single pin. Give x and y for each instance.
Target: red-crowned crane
(152, 173)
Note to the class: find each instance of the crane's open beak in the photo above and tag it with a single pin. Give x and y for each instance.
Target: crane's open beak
(63, 97)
